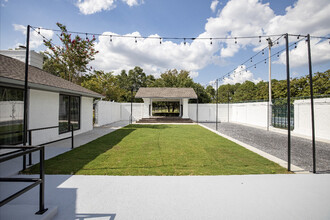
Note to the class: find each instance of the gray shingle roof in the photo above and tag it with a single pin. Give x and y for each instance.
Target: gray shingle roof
(165, 92)
(13, 69)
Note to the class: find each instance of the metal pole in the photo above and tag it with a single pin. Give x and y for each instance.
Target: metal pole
(72, 137)
(197, 107)
(131, 106)
(30, 143)
(288, 91)
(312, 99)
(26, 92)
(216, 115)
(269, 118)
(26, 85)
(228, 106)
(42, 184)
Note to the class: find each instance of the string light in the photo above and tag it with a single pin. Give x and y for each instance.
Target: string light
(265, 61)
(295, 45)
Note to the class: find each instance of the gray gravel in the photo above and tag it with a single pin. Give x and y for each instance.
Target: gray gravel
(277, 145)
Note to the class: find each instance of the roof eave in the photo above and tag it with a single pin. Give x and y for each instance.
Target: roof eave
(48, 88)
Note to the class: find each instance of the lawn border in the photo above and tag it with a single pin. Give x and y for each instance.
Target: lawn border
(282, 163)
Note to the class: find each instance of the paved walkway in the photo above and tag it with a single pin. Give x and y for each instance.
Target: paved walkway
(276, 144)
(12, 167)
(263, 197)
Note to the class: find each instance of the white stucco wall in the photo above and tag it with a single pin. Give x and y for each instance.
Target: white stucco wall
(254, 113)
(107, 112)
(44, 112)
(137, 111)
(303, 121)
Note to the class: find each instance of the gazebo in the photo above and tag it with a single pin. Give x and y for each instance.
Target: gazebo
(164, 94)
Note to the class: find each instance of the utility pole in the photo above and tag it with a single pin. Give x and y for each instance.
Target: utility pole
(269, 118)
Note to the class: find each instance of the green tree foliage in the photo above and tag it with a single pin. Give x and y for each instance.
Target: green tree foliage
(71, 59)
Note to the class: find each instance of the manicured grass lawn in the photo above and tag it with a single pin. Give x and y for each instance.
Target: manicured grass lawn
(160, 150)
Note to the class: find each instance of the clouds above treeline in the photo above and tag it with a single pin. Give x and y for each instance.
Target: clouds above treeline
(87, 7)
(237, 18)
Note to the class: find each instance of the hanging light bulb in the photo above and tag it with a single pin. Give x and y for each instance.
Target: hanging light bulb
(277, 42)
(298, 37)
(110, 38)
(295, 45)
(255, 66)
(259, 39)
(278, 55)
(160, 40)
(184, 41)
(210, 40)
(39, 30)
(265, 61)
(135, 40)
(86, 37)
(263, 52)
(251, 60)
(235, 40)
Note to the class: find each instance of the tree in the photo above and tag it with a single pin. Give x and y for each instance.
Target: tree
(71, 59)
(105, 84)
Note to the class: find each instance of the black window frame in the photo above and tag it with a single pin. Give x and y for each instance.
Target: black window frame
(69, 118)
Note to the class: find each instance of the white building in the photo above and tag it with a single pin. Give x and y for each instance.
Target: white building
(52, 100)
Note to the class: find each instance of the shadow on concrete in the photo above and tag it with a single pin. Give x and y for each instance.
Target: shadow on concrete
(83, 216)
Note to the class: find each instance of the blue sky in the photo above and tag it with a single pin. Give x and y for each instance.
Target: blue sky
(184, 18)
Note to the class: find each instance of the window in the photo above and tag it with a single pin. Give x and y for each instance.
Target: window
(69, 113)
(11, 115)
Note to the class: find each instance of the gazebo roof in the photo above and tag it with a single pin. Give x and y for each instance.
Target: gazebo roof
(164, 92)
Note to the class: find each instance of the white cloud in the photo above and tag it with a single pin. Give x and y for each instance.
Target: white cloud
(240, 75)
(193, 74)
(214, 5)
(237, 18)
(149, 54)
(35, 39)
(320, 53)
(131, 3)
(92, 6)
(88, 7)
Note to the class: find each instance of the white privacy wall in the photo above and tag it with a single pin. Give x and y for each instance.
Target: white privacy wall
(254, 114)
(303, 121)
(44, 112)
(108, 112)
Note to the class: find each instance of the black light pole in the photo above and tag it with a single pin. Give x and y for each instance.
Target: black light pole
(216, 114)
(289, 107)
(25, 121)
(26, 85)
(197, 107)
(312, 99)
(131, 121)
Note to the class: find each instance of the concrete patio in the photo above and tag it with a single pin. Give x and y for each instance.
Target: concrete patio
(182, 197)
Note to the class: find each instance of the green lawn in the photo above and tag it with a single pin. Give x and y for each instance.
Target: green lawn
(160, 150)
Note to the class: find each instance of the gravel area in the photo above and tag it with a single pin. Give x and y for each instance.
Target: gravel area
(276, 144)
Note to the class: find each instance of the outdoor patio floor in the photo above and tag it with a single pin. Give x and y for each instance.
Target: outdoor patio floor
(288, 196)
(276, 144)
